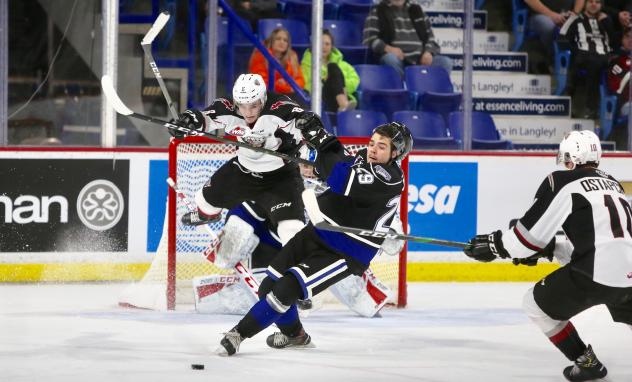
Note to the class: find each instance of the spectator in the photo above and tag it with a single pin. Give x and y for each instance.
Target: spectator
(549, 15)
(587, 35)
(340, 79)
(619, 12)
(399, 32)
(619, 83)
(279, 45)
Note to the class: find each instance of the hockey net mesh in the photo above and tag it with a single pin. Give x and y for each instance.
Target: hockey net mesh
(196, 159)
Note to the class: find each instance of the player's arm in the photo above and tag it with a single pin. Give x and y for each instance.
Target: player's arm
(531, 234)
(219, 115)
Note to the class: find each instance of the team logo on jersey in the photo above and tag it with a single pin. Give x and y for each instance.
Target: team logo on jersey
(238, 131)
(100, 205)
(382, 172)
(629, 275)
(227, 104)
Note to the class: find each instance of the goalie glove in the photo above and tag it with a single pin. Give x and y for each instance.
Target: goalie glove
(486, 248)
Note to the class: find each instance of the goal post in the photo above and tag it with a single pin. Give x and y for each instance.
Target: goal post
(179, 258)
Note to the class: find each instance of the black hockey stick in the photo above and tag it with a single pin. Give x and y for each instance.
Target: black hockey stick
(316, 217)
(160, 23)
(121, 108)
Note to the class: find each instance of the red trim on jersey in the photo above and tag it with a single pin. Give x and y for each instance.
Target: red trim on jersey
(524, 241)
(563, 334)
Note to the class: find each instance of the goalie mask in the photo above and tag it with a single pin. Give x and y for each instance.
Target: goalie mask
(401, 138)
(578, 148)
(249, 88)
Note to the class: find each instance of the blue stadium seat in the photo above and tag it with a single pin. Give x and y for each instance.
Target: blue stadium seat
(432, 89)
(428, 129)
(484, 133)
(381, 88)
(299, 32)
(519, 23)
(358, 123)
(355, 11)
(348, 39)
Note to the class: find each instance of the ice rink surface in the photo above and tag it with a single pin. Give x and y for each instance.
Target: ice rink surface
(449, 332)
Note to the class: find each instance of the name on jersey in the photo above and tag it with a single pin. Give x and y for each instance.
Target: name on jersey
(597, 184)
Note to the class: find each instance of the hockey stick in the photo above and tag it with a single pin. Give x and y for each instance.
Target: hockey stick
(242, 271)
(121, 108)
(317, 219)
(160, 23)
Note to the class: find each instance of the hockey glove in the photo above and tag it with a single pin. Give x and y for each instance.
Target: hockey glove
(546, 252)
(287, 144)
(308, 121)
(191, 119)
(486, 248)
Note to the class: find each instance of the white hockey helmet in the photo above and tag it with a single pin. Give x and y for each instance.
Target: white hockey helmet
(307, 153)
(579, 147)
(249, 88)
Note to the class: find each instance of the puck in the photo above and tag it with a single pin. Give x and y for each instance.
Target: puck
(197, 366)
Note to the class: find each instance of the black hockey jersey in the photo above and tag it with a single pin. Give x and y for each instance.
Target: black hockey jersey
(361, 195)
(278, 112)
(592, 209)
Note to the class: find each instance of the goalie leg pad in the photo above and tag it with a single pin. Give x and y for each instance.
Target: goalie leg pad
(237, 243)
(221, 294)
(364, 295)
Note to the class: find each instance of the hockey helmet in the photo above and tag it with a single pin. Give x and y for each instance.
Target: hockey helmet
(401, 138)
(579, 147)
(249, 88)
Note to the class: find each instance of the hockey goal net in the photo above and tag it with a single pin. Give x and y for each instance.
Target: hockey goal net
(168, 281)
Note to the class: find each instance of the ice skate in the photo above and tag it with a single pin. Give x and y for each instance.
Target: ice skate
(229, 345)
(279, 340)
(198, 218)
(587, 367)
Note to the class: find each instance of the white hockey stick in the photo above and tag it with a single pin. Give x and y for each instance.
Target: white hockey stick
(121, 108)
(317, 219)
(242, 271)
(160, 23)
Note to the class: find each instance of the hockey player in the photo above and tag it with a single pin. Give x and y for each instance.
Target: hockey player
(590, 206)
(364, 192)
(260, 119)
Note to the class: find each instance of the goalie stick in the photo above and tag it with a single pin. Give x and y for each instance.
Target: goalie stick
(209, 253)
(121, 108)
(317, 219)
(160, 23)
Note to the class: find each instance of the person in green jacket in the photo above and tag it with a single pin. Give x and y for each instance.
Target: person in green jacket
(340, 80)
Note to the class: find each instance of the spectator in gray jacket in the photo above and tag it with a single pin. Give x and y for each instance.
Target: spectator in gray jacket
(399, 32)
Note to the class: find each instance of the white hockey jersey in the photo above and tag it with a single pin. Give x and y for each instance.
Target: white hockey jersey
(592, 209)
(279, 112)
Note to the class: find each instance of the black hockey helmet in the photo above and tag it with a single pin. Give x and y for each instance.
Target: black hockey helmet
(401, 138)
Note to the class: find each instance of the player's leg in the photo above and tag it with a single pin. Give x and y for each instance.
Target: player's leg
(226, 188)
(283, 205)
(551, 303)
(274, 300)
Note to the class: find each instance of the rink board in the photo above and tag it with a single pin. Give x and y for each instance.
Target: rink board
(43, 237)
